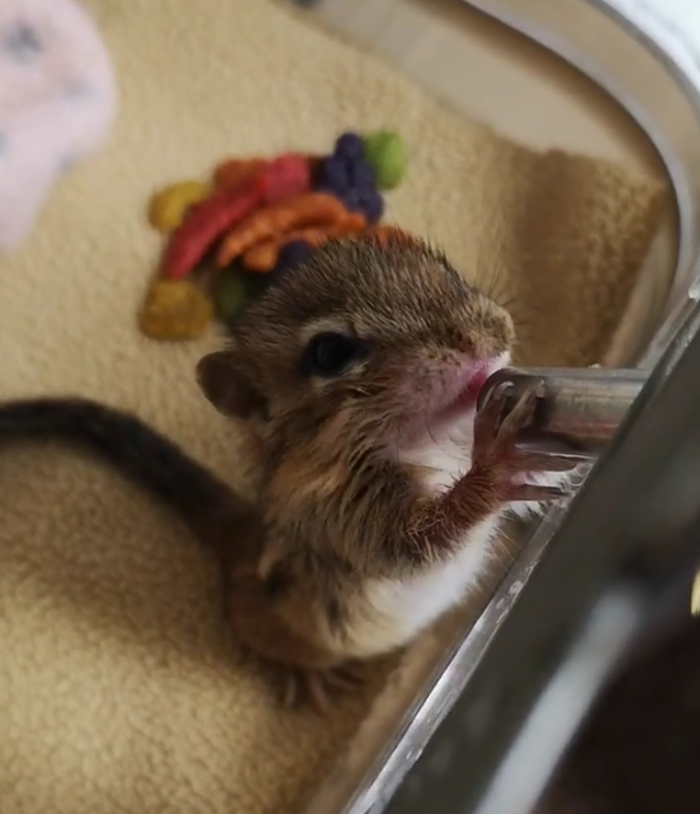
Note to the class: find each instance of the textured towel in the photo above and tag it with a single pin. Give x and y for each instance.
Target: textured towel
(57, 102)
(119, 688)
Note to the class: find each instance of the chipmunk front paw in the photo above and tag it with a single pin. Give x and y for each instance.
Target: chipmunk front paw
(497, 427)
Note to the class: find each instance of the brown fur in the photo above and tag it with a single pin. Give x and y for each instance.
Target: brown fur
(335, 507)
(338, 507)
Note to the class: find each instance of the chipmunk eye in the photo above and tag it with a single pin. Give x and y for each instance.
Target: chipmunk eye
(329, 354)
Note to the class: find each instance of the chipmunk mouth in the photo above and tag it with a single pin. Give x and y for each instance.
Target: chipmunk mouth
(468, 396)
(472, 380)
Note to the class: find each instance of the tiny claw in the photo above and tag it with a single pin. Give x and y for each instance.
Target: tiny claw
(496, 400)
(289, 696)
(532, 492)
(498, 422)
(345, 678)
(548, 462)
(302, 689)
(312, 689)
(522, 413)
(317, 691)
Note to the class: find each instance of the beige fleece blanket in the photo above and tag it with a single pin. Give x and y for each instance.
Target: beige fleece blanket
(119, 688)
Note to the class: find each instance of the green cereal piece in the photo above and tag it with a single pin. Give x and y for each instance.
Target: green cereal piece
(232, 295)
(385, 152)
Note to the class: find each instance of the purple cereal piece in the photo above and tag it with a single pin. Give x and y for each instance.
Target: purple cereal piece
(350, 145)
(362, 176)
(293, 253)
(290, 255)
(334, 174)
(373, 207)
(325, 188)
(353, 200)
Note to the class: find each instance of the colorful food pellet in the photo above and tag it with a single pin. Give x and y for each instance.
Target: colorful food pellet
(232, 295)
(257, 219)
(263, 255)
(237, 171)
(335, 174)
(286, 176)
(350, 177)
(203, 224)
(311, 209)
(362, 174)
(386, 153)
(293, 253)
(290, 255)
(349, 145)
(168, 207)
(352, 199)
(372, 207)
(175, 310)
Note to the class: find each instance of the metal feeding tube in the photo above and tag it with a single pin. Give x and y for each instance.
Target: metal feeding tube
(578, 410)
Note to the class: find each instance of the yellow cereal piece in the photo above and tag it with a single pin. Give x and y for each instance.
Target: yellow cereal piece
(175, 310)
(168, 206)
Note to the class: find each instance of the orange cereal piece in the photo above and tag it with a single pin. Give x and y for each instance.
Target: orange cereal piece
(311, 209)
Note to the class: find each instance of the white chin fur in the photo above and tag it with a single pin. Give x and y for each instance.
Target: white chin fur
(395, 611)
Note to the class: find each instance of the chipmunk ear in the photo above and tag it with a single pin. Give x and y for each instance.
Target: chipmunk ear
(226, 387)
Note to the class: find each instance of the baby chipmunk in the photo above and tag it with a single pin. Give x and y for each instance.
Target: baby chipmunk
(356, 375)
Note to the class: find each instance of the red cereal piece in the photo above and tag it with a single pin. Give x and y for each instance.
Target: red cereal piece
(202, 225)
(286, 176)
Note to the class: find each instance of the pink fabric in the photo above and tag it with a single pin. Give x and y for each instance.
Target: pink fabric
(57, 102)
